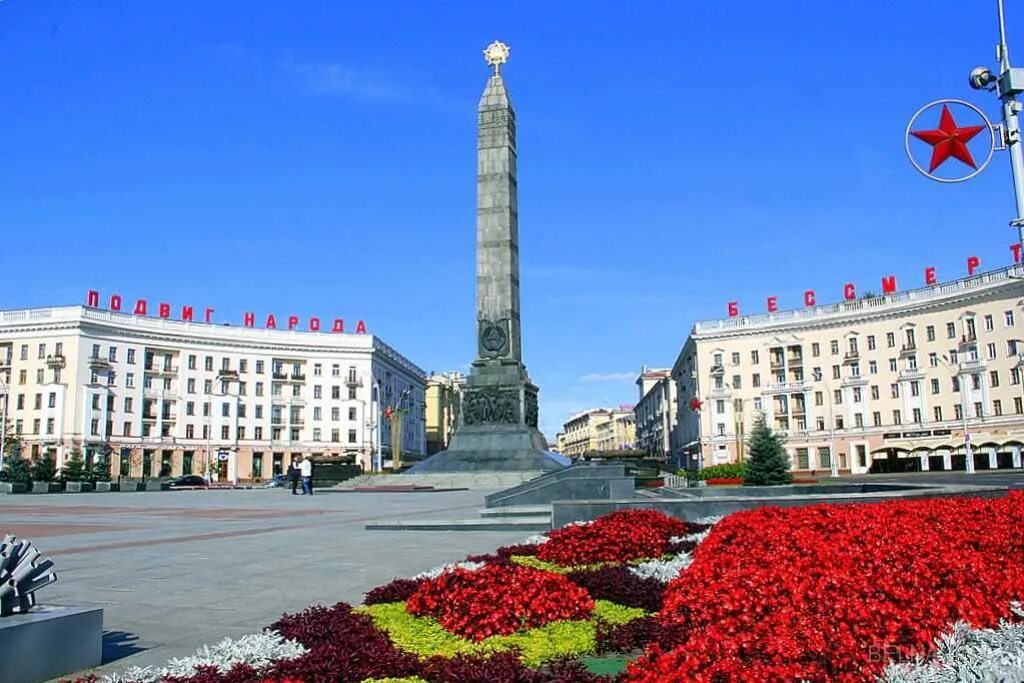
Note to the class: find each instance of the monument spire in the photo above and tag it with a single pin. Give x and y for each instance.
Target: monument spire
(498, 421)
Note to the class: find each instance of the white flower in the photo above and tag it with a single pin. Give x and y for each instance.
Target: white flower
(966, 654)
(713, 520)
(663, 570)
(437, 571)
(257, 650)
(578, 524)
(536, 539)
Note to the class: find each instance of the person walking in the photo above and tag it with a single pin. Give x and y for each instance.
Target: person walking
(293, 477)
(306, 470)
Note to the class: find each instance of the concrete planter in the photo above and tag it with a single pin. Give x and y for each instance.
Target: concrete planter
(155, 485)
(132, 486)
(78, 486)
(13, 487)
(107, 486)
(46, 487)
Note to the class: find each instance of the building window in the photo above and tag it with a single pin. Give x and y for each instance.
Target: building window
(186, 462)
(935, 386)
(190, 432)
(855, 370)
(896, 417)
(317, 391)
(802, 459)
(206, 409)
(892, 365)
(721, 429)
(956, 384)
(192, 361)
(335, 392)
(1018, 405)
(259, 388)
(352, 393)
(225, 409)
(754, 357)
(815, 349)
(991, 349)
(190, 385)
(335, 414)
(937, 411)
(894, 390)
(825, 457)
(719, 406)
(208, 363)
(755, 380)
(933, 360)
(316, 434)
(976, 381)
(993, 378)
(858, 420)
(735, 361)
(207, 386)
(258, 412)
(257, 432)
(917, 415)
(352, 436)
(336, 435)
(997, 407)
(22, 377)
(838, 396)
(912, 362)
(1011, 347)
(24, 351)
(736, 383)
(51, 400)
(39, 376)
(958, 412)
(318, 370)
(930, 333)
(351, 413)
(259, 367)
(834, 347)
(129, 380)
(915, 390)
(295, 433)
(873, 367)
(225, 432)
(856, 395)
(978, 410)
(39, 402)
(21, 401)
(835, 372)
(336, 369)
(876, 418)
(1008, 318)
(819, 398)
(35, 426)
(950, 330)
(890, 339)
(126, 429)
(989, 323)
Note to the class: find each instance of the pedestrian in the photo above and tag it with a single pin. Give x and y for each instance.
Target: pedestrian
(293, 477)
(306, 470)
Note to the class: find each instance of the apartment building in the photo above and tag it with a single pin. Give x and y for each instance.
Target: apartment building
(889, 383)
(168, 397)
(443, 400)
(618, 433)
(655, 411)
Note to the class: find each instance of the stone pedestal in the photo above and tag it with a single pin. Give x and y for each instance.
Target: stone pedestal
(46, 487)
(49, 642)
(13, 487)
(78, 486)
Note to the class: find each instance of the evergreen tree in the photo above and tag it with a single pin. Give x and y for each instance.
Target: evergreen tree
(44, 469)
(74, 469)
(100, 468)
(767, 464)
(17, 469)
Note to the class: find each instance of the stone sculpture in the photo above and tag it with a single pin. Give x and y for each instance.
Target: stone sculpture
(23, 571)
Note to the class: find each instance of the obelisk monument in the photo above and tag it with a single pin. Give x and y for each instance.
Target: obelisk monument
(498, 421)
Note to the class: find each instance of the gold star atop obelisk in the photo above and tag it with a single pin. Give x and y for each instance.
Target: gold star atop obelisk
(496, 54)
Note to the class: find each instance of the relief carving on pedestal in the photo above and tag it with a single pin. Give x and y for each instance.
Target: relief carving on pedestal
(490, 405)
(493, 338)
(530, 410)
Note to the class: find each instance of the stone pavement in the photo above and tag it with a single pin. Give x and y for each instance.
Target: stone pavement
(175, 570)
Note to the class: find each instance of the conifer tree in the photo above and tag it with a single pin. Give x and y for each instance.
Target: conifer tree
(74, 469)
(44, 469)
(767, 464)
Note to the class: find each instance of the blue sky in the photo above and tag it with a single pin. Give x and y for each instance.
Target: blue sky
(318, 158)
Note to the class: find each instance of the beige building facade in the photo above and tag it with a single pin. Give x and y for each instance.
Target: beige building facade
(443, 400)
(579, 433)
(167, 397)
(880, 384)
(618, 433)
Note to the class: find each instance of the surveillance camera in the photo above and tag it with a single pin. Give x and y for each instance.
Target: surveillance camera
(981, 78)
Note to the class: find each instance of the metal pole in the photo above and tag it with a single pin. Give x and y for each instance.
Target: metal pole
(833, 460)
(1011, 123)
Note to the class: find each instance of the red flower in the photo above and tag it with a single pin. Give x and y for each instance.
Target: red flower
(499, 599)
(618, 537)
(834, 592)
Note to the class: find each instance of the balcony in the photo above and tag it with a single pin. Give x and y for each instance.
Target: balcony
(776, 387)
(228, 375)
(353, 381)
(851, 357)
(968, 339)
(282, 376)
(298, 377)
(718, 369)
(908, 350)
(796, 359)
(98, 362)
(161, 369)
(776, 363)
(55, 361)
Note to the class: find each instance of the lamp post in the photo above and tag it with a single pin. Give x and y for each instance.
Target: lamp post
(225, 377)
(3, 421)
(968, 451)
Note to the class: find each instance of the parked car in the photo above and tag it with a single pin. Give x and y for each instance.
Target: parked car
(278, 481)
(189, 481)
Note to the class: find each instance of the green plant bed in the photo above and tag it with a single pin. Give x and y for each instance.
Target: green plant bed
(425, 637)
(605, 666)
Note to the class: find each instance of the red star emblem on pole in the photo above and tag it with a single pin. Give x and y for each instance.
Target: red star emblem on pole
(948, 140)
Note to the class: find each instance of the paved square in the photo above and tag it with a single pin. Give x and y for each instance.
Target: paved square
(176, 570)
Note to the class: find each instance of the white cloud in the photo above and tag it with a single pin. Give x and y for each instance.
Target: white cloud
(609, 377)
(339, 79)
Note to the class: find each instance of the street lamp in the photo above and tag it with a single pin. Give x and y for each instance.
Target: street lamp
(3, 421)
(225, 377)
(968, 452)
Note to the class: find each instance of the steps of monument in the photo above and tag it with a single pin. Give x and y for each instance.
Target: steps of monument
(516, 511)
(524, 524)
(465, 480)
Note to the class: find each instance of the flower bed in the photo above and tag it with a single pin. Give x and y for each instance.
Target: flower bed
(821, 593)
(833, 592)
(724, 481)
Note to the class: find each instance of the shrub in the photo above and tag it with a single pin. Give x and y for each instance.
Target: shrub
(398, 590)
(44, 469)
(74, 467)
(499, 600)
(732, 470)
